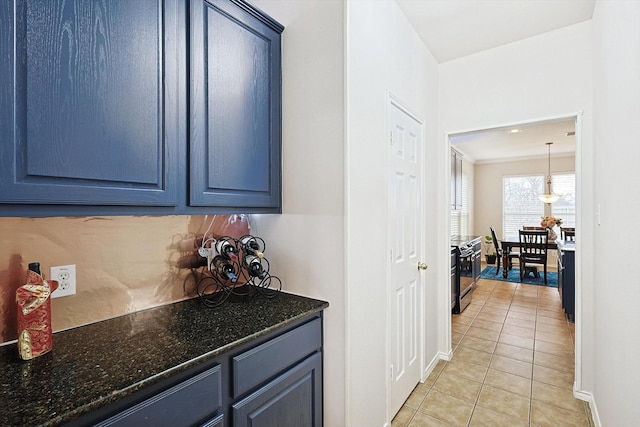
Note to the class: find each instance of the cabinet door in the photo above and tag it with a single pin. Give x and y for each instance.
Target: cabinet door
(561, 276)
(569, 284)
(235, 102)
(292, 399)
(88, 94)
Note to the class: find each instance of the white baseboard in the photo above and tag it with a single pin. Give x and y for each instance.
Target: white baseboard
(588, 397)
(445, 356)
(431, 366)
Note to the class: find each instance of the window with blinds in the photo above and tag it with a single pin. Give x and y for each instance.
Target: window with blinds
(520, 203)
(460, 217)
(565, 207)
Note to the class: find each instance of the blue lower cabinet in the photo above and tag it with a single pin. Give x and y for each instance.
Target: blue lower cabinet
(272, 381)
(186, 403)
(292, 399)
(279, 382)
(567, 278)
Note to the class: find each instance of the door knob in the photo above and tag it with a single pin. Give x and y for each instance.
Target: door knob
(422, 266)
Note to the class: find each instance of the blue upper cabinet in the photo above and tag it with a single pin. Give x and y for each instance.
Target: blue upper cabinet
(235, 106)
(88, 103)
(138, 107)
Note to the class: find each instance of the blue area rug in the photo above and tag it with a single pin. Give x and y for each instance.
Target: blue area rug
(513, 275)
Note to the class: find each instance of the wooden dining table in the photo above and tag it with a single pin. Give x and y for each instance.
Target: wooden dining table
(510, 242)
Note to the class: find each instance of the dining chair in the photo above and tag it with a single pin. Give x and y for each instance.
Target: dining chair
(499, 253)
(533, 250)
(568, 233)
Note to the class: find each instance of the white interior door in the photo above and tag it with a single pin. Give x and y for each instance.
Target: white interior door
(406, 242)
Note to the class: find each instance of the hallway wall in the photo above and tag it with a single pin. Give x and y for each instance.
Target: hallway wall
(384, 54)
(616, 324)
(306, 242)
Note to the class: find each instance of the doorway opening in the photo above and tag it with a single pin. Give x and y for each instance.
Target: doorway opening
(475, 144)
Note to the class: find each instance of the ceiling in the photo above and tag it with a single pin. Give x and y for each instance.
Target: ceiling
(455, 28)
(530, 142)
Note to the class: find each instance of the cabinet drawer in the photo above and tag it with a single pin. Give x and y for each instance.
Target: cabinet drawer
(264, 361)
(187, 403)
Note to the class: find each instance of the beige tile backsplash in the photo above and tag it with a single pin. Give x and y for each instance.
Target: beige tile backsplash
(123, 264)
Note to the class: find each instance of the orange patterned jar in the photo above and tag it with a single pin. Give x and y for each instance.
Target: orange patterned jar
(35, 334)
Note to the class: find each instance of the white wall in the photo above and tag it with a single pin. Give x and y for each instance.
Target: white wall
(383, 54)
(536, 78)
(306, 242)
(616, 323)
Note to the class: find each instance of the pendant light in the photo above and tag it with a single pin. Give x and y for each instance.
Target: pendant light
(549, 197)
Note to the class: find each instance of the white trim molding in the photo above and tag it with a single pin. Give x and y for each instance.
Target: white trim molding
(434, 362)
(588, 397)
(444, 240)
(445, 356)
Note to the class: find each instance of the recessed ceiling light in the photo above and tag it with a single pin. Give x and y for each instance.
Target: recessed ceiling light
(515, 130)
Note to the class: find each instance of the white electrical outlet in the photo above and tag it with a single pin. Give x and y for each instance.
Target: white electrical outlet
(66, 277)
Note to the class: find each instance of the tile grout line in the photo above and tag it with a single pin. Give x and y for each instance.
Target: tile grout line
(458, 345)
(453, 352)
(493, 353)
(494, 298)
(533, 357)
(486, 304)
(475, 404)
(573, 348)
(515, 291)
(568, 328)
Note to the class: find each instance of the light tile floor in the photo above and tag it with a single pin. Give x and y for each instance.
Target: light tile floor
(512, 365)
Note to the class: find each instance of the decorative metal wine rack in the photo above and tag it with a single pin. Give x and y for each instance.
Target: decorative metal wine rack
(244, 257)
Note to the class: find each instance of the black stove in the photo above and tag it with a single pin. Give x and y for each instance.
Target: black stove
(468, 269)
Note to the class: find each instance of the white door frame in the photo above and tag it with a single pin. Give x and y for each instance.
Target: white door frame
(393, 100)
(444, 239)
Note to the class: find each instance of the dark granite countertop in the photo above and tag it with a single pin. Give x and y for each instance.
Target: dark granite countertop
(94, 365)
